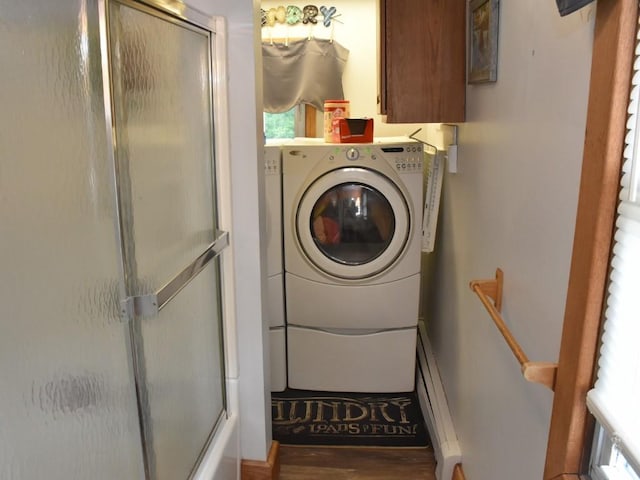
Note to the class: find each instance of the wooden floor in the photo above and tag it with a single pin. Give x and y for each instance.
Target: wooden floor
(348, 463)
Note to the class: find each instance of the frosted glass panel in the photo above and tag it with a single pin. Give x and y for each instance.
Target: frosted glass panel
(163, 128)
(165, 157)
(184, 375)
(67, 398)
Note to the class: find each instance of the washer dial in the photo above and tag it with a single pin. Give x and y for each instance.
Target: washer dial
(353, 154)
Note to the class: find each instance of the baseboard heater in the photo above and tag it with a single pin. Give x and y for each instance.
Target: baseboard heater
(435, 409)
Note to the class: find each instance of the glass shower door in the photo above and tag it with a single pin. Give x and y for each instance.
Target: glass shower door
(164, 148)
(67, 397)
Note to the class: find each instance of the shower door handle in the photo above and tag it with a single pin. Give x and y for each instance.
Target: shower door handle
(151, 304)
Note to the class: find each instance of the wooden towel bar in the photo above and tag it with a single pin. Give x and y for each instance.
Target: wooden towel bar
(536, 372)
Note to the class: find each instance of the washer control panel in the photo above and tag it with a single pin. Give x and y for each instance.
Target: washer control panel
(404, 158)
(407, 159)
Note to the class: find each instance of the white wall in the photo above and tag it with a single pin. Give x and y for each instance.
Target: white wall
(512, 205)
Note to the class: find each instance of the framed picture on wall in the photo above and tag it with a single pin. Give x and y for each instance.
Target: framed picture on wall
(483, 41)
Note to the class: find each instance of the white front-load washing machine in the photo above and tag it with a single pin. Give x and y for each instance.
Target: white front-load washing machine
(352, 216)
(275, 286)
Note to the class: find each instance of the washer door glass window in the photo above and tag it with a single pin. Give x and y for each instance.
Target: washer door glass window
(352, 223)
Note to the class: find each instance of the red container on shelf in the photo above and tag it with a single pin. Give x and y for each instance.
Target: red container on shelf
(353, 130)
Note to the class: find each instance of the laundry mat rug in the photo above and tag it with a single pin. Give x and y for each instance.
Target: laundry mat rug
(301, 417)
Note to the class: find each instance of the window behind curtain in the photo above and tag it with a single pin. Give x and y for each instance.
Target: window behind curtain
(615, 399)
(289, 124)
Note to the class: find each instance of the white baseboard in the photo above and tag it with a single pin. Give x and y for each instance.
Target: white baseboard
(435, 409)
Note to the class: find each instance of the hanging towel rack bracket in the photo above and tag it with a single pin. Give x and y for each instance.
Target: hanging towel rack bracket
(491, 288)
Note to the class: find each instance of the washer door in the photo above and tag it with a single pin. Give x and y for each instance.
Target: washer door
(353, 223)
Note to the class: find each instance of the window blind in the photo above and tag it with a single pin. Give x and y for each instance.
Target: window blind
(615, 399)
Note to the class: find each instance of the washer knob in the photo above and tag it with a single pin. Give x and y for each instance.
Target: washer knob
(353, 154)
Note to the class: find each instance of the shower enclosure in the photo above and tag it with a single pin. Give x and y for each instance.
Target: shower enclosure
(112, 252)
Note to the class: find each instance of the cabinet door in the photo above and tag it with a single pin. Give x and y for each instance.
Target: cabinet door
(423, 60)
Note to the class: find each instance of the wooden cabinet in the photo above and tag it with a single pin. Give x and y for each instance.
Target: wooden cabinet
(422, 60)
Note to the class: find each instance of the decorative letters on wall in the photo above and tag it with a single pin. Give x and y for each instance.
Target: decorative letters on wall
(293, 15)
